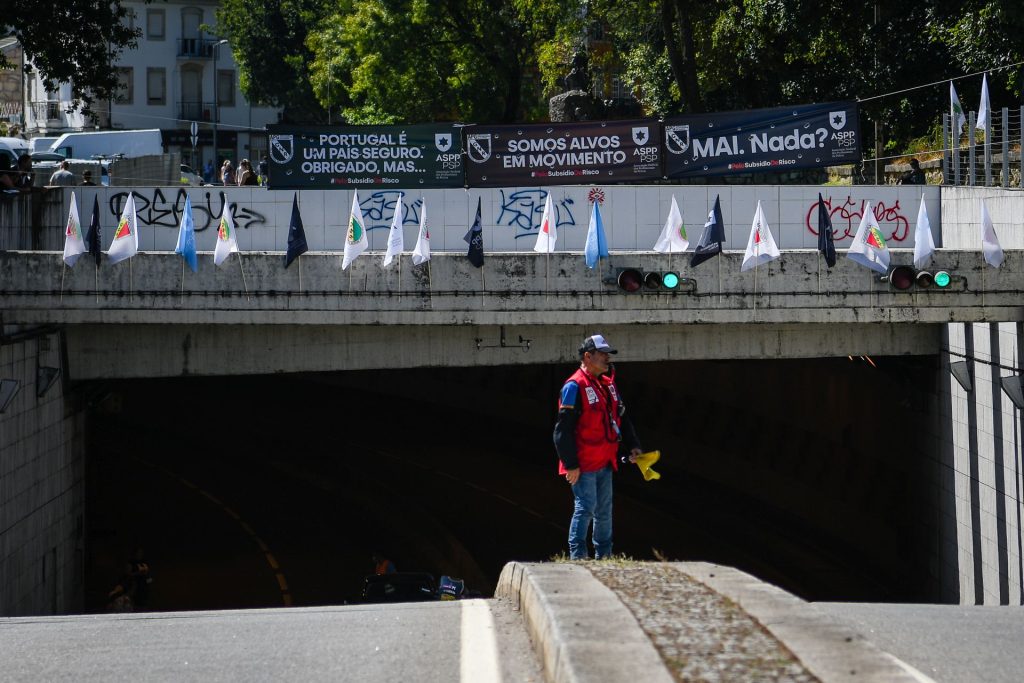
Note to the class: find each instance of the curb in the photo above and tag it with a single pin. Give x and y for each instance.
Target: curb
(829, 649)
(580, 629)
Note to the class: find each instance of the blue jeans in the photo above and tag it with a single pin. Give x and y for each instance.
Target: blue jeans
(593, 501)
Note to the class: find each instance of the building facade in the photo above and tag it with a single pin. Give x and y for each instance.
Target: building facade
(178, 75)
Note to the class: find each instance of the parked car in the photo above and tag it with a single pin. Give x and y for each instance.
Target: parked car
(190, 177)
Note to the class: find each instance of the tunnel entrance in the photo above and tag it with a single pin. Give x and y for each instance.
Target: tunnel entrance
(264, 491)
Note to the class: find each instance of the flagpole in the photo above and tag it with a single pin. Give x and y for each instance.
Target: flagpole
(244, 283)
(399, 273)
(430, 286)
(755, 290)
(300, 276)
(131, 281)
(182, 278)
(96, 283)
(62, 271)
(720, 296)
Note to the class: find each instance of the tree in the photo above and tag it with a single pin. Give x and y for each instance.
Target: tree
(270, 42)
(72, 41)
(411, 60)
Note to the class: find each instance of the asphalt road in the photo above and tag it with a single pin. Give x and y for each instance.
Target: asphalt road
(948, 643)
(469, 640)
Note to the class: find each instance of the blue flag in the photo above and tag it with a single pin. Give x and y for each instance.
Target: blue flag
(596, 247)
(187, 237)
(92, 238)
(826, 241)
(711, 239)
(475, 238)
(296, 235)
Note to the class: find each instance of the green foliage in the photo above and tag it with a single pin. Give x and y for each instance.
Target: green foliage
(268, 40)
(72, 41)
(407, 61)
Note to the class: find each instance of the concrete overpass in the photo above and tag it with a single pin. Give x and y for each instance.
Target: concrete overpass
(143, 319)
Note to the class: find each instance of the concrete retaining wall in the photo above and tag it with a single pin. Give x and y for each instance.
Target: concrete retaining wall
(977, 439)
(41, 486)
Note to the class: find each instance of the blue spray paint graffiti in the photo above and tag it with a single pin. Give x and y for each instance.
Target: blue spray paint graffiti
(379, 209)
(525, 208)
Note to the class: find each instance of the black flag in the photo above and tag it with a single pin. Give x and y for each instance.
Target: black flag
(296, 235)
(92, 238)
(826, 244)
(710, 243)
(475, 238)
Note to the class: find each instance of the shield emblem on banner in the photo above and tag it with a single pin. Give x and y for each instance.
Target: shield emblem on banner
(677, 139)
(443, 141)
(837, 119)
(282, 148)
(479, 147)
(641, 135)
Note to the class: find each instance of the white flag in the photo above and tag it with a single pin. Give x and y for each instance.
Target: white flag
(74, 245)
(356, 241)
(761, 247)
(547, 236)
(422, 251)
(959, 120)
(227, 240)
(983, 107)
(673, 235)
(869, 248)
(989, 240)
(396, 240)
(924, 243)
(126, 237)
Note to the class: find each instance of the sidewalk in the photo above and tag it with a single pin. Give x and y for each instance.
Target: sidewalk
(659, 622)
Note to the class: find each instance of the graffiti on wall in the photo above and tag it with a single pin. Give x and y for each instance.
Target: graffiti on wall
(846, 215)
(523, 210)
(155, 210)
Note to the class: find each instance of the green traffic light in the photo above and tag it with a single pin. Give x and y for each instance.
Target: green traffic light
(942, 279)
(670, 280)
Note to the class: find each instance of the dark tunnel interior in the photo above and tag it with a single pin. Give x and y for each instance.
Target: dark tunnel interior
(263, 491)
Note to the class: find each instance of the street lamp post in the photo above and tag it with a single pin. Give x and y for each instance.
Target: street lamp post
(216, 99)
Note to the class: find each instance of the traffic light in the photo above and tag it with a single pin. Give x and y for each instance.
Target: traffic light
(638, 280)
(905, 277)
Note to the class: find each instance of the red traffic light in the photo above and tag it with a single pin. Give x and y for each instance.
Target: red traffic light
(630, 279)
(902, 277)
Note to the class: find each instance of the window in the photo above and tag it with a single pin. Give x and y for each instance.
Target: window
(226, 88)
(155, 23)
(125, 93)
(156, 86)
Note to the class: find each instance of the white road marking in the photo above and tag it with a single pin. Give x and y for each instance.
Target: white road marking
(479, 651)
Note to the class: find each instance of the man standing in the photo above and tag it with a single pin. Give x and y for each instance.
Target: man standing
(589, 432)
(62, 177)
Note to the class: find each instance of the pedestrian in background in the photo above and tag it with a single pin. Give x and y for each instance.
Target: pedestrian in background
(246, 176)
(87, 178)
(590, 430)
(63, 177)
(26, 176)
(915, 176)
(264, 169)
(227, 173)
(208, 172)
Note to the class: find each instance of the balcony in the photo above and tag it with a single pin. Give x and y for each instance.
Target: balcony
(196, 48)
(197, 111)
(48, 111)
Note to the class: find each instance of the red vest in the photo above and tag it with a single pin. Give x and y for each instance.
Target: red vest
(597, 432)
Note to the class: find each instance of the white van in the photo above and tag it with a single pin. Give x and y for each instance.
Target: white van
(40, 144)
(12, 148)
(109, 144)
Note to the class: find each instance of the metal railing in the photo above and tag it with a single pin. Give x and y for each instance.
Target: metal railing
(197, 111)
(989, 157)
(195, 48)
(47, 110)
